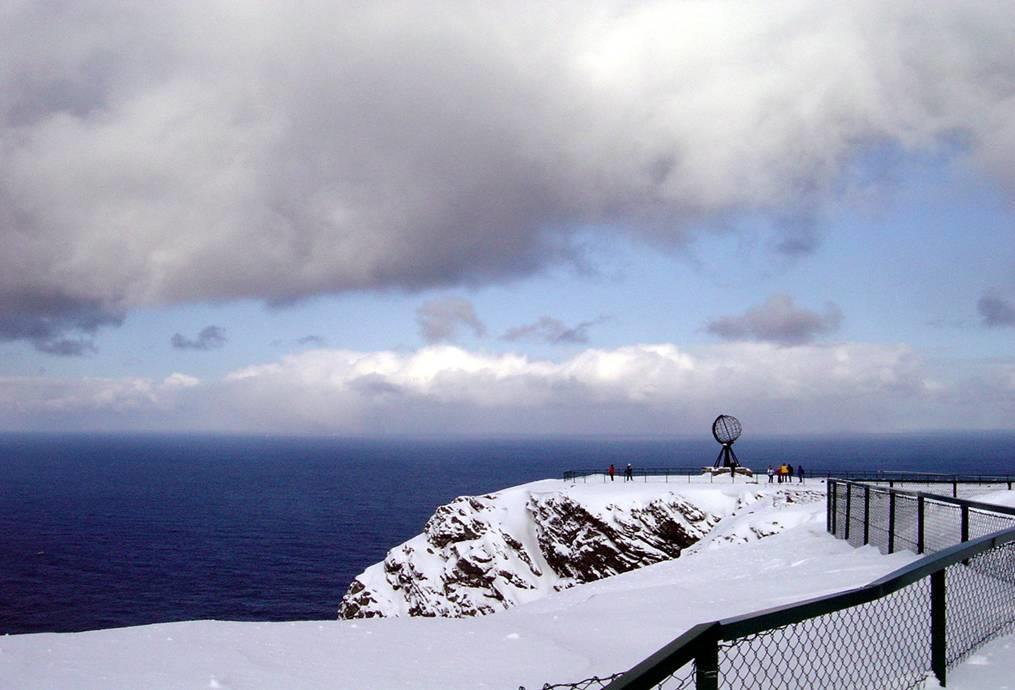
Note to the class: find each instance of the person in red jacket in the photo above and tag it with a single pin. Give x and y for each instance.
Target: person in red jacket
(611, 471)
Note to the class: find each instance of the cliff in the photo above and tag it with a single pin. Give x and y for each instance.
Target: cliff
(481, 554)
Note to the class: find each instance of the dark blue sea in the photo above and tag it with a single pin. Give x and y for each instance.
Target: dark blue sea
(102, 531)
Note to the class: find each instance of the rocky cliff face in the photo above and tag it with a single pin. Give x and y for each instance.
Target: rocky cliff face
(481, 554)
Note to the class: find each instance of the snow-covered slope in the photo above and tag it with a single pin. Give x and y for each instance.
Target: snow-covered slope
(482, 554)
(593, 629)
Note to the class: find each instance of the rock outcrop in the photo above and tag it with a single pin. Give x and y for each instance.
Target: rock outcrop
(481, 554)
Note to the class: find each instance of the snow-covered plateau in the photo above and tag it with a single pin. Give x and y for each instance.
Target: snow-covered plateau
(539, 557)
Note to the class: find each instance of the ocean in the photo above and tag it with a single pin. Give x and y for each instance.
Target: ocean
(100, 531)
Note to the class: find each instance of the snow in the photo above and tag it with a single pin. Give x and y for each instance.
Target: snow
(593, 629)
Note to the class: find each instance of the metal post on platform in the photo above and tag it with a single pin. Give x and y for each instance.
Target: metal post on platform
(832, 487)
(965, 523)
(919, 524)
(828, 510)
(866, 514)
(938, 626)
(849, 494)
(891, 522)
(706, 662)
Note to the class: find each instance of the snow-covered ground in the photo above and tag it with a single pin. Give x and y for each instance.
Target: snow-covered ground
(592, 629)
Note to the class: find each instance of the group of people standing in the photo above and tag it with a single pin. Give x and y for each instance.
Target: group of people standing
(785, 473)
(628, 472)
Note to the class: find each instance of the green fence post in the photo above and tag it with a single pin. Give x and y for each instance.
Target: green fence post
(706, 663)
(919, 524)
(835, 505)
(828, 510)
(849, 494)
(938, 634)
(891, 522)
(866, 514)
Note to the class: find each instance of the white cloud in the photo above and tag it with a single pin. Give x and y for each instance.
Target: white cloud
(443, 389)
(178, 380)
(166, 152)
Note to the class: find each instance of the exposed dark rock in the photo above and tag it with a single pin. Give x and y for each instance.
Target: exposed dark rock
(466, 562)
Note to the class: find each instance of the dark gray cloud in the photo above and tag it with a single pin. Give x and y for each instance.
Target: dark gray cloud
(996, 312)
(210, 338)
(778, 320)
(443, 319)
(45, 320)
(312, 341)
(550, 330)
(151, 156)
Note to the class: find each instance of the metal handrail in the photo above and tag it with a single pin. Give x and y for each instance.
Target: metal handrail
(700, 642)
(874, 476)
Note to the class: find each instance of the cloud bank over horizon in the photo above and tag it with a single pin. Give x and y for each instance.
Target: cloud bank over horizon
(442, 389)
(161, 154)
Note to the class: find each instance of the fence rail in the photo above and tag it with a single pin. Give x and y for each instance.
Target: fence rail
(892, 633)
(889, 477)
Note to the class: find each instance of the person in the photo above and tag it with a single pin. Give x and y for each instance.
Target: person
(611, 471)
(789, 473)
(800, 473)
(771, 474)
(629, 473)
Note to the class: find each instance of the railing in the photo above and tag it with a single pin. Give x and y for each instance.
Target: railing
(923, 618)
(640, 472)
(890, 477)
(921, 522)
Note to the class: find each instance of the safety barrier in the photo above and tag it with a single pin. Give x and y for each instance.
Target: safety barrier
(893, 633)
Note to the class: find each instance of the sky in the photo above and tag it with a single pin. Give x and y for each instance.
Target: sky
(460, 218)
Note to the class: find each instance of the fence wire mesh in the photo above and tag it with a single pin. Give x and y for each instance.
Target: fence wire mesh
(681, 679)
(880, 515)
(885, 643)
(858, 517)
(881, 644)
(982, 522)
(593, 683)
(980, 596)
(906, 523)
(855, 517)
(942, 525)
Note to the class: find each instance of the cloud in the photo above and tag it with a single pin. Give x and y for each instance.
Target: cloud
(778, 320)
(445, 389)
(550, 330)
(94, 403)
(210, 338)
(442, 319)
(996, 312)
(159, 153)
(312, 341)
(44, 319)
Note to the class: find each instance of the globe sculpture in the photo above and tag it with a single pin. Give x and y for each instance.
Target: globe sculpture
(726, 429)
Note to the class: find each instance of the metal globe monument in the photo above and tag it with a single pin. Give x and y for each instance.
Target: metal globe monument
(726, 429)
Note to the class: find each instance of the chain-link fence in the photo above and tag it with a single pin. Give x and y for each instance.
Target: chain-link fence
(593, 683)
(896, 632)
(880, 644)
(894, 519)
